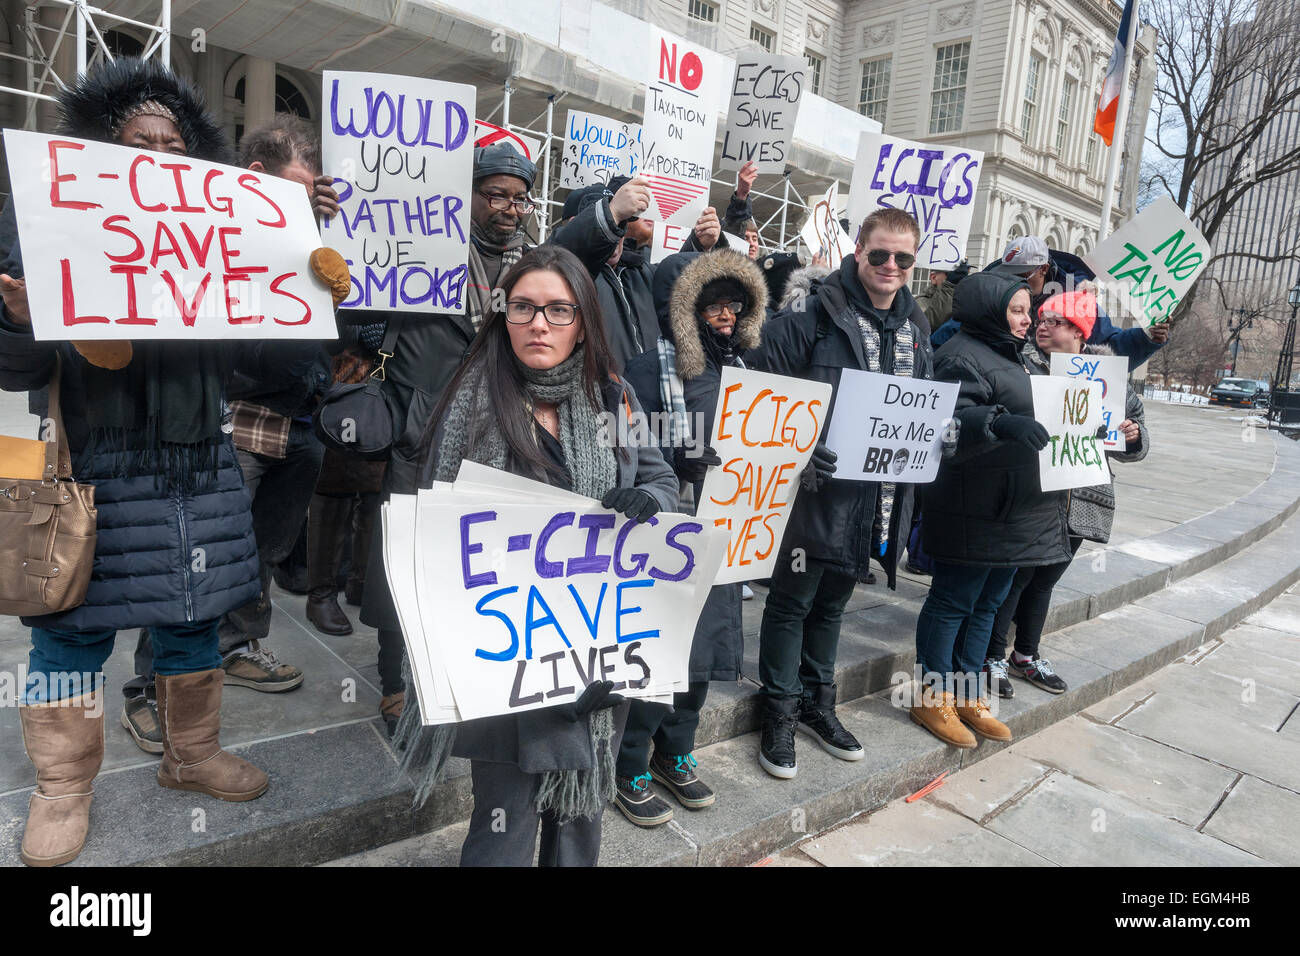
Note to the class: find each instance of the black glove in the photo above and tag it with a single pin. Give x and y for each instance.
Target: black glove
(693, 469)
(1028, 431)
(1102, 431)
(596, 696)
(633, 502)
(820, 467)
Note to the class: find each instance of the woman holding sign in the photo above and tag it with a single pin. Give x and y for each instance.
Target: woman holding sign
(1064, 323)
(531, 399)
(984, 514)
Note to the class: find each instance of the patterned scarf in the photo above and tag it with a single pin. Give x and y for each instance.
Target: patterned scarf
(904, 357)
(478, 298)
(470, 430)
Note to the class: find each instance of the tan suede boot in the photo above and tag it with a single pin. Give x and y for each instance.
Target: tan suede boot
(66, 744)
(189, 710)
(936, 714)
(979, 718)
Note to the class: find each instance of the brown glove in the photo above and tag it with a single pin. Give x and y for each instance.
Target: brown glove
(330, 268)
(110, 354)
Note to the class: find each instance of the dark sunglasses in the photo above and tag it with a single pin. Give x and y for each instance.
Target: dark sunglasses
(878, 257)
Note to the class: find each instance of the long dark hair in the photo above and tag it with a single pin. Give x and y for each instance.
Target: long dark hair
(492, 353)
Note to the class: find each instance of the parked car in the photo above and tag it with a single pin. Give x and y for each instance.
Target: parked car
(1247, 392)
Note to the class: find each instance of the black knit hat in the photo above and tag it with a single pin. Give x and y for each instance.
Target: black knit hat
(99, 104)
(580, 199)
(724, 289)
(503, 159)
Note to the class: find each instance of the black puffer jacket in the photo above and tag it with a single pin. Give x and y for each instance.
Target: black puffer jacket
(815, 340)
(718, 645)
(984, 508)
(627, 304)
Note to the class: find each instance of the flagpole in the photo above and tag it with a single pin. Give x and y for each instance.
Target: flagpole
(1121, 128)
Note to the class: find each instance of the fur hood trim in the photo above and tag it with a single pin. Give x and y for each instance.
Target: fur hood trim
(799, 288)
(720, 264)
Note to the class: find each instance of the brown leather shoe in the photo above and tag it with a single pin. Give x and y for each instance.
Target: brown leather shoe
(937, 714)
(979, 718)
(325, 614)
(66, 744)
(189, 710)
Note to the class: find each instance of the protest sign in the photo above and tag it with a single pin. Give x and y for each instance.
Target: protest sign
(765, 94)
(822, 232)
(401, 151)
(1112, 372)
(1070, 410)
(684, 94)
(1146, 266)
(764, 430)
(936, 184)
(121, 243)
(889, 428)
(596, 149)
(485, 134)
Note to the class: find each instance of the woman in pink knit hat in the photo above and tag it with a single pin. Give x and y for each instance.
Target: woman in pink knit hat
(1064, 323)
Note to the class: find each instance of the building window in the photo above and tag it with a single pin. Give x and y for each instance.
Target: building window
(1091, 161)
(1029, 107)
(948, 100)
(1063, 115)
(875, 89)
(702, 10)
(815, 64)
(764, 38)
(920, 280)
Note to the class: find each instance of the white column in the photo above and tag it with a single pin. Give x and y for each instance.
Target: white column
(259, 92)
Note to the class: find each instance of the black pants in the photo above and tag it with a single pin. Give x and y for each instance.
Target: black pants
(673, 731)
(800, 633)
(503, 827)
(1026, 604)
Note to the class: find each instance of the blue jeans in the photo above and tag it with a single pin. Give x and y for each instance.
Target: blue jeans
(65, 664)
(953, 628)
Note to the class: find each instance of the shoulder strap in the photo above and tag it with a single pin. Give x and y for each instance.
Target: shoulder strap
(392, 326)
(58, 460)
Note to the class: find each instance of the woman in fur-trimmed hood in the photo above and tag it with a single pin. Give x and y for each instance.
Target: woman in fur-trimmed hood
(711, 308)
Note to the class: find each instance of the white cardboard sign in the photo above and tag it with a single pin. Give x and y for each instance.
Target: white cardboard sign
(1112, 372)
(597, 149)
(685, 91)
(123, 243)
(401, 151)
(822, 232)
(766, 91)
(1070, 410)
(764, 430)
(1146, 266)
(935, 183)
(889, 428)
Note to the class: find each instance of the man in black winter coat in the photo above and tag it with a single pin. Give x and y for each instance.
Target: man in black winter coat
(861, 317)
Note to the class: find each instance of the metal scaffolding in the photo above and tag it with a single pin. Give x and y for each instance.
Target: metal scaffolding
(85, 26)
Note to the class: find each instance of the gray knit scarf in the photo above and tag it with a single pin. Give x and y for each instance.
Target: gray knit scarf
(470, 430)
(478, 298)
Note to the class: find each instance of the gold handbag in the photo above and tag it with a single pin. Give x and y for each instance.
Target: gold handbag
(47, 522)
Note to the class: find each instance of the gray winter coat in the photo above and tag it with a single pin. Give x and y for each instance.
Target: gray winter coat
(1091, 511)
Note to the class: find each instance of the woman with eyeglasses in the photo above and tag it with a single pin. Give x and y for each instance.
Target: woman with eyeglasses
(530, 399)
(985, 516)
(1064, 323)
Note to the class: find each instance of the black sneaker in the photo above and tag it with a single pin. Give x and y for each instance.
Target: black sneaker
(677, 773)
(817, 717)
(916, 569)
(996, 668)
(639, 803)
(776, 744)
(140, 718)
(1039, 672)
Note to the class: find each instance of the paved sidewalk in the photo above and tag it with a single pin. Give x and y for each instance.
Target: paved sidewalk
(1196, 765)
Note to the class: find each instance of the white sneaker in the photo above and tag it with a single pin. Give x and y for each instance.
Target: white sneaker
(746, 593)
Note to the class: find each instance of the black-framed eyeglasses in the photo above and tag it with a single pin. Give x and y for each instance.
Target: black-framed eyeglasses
(522, 312)
(503, 203)
(878, 257)
(1053, 323)
(736, 308)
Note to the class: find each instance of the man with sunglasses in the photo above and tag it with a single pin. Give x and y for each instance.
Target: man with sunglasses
(863, 317)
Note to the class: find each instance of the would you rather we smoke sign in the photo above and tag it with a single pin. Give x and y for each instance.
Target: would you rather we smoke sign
(1071, 411)
(888, 428)
(1147, 266)
(597, 149)
(936, 184)
(401, 151)
(122, 243)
